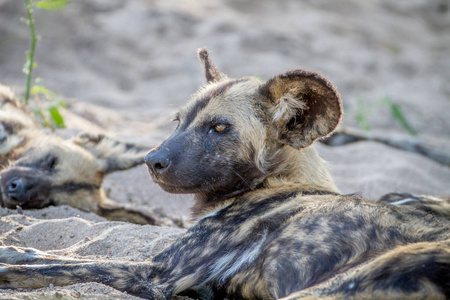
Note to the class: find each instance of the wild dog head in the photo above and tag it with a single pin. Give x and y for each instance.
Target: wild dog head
(15, 125)
(236, 134)
(57, 171)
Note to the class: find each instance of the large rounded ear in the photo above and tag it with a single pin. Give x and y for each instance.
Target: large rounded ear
(212, 74)
(303, 106)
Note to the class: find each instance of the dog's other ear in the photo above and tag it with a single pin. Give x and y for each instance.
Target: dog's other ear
(113, 155)
(211, 72)
(303, 107)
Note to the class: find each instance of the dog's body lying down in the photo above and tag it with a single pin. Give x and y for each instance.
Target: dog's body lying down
(38, 169)
(271, 222)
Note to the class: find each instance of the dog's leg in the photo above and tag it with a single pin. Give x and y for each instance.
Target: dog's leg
(414, 271)
(31, 268)
(25, 256)
(127, 277)
(437, 205)
(139, 215)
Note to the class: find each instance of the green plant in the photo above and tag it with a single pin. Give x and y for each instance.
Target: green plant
(363, 112)
(56, 102)
(398, 115)
(30, 64)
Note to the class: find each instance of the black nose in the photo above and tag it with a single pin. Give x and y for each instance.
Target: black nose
(157, 160)
(15, 189)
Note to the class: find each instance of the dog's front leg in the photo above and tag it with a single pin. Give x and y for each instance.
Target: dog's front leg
(12, 255)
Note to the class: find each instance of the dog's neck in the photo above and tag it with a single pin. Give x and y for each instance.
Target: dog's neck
(303, 169)
(295, 170)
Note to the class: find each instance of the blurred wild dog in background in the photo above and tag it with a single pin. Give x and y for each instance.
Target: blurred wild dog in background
(39, 169)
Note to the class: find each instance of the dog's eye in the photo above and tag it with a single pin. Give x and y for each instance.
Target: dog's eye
(219, 127)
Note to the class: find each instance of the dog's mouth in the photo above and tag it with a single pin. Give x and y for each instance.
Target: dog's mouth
(5, 201)
(27, 192)
(178, 189)
(169, 186)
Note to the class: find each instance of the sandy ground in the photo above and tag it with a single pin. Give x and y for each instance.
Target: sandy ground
(136, 59)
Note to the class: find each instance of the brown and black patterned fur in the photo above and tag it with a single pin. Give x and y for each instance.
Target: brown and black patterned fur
(271, 222)
(16, 127)
(39, 169)
(434, 204)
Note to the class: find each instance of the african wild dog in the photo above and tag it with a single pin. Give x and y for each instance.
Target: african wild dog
(41, 169)
(271, 221)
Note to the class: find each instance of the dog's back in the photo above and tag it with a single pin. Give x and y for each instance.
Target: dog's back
(291, 241)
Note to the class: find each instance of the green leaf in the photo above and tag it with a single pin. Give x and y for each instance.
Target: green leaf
(56, 116)
(39, 89)
(51, 4)
(398, 115)
(48, 93)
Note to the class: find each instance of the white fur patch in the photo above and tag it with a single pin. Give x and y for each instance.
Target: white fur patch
(403, 201)
(221, 265)
(211, 214)
(287, 107)
(224, 268)
(434, 198)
